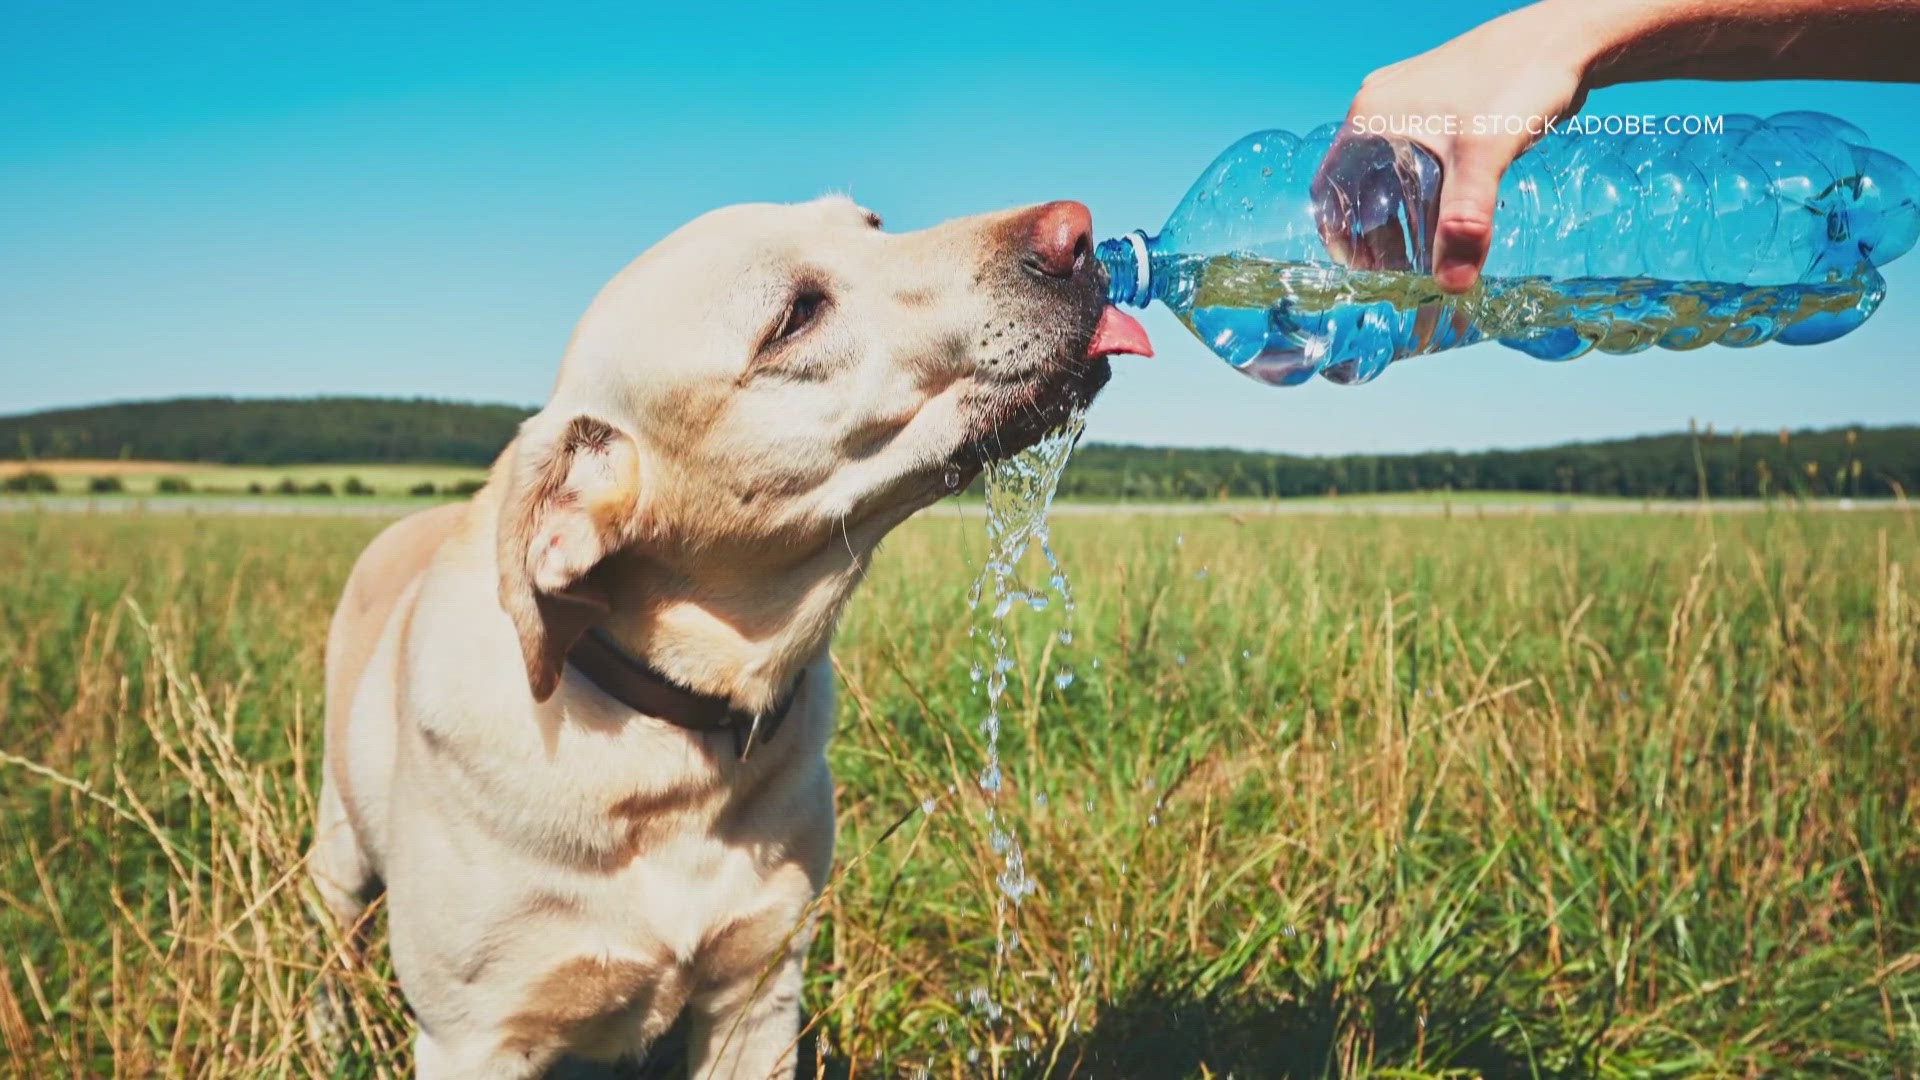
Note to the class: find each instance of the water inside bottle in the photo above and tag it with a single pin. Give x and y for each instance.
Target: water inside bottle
(1282, 322)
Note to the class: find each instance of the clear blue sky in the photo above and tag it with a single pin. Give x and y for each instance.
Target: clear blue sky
(420, 199)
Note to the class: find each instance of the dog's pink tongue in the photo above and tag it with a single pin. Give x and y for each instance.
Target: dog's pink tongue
(1118, 332)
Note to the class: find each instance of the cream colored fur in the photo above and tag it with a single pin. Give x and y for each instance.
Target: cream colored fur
(565, 876)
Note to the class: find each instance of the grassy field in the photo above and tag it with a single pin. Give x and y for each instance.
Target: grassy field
(1393, 797)
(74, 476)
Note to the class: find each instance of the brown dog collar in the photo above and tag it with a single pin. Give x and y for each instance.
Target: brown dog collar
(633, 682)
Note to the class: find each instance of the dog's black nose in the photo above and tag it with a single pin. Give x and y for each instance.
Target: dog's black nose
(1059, 238)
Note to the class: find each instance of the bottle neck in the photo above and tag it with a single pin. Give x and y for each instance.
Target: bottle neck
(1129, 268)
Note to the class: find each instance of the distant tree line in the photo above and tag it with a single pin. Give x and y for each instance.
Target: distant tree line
(1845, 463)
(1864, 462)
(275, 431)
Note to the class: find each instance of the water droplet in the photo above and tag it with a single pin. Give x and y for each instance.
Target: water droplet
(927, 805)
(952, 478)
(1040, 800)
(1064, 679)
(1019, 492)
(1180, 658)
(1066, 635)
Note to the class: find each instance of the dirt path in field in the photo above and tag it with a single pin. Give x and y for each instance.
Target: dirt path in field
(346, 506)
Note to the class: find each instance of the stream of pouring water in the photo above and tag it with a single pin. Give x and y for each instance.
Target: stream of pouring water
(1019, 492)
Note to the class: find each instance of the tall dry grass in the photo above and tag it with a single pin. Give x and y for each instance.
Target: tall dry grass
(1415, 798)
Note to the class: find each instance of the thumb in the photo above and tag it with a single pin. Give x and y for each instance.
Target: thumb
(1468, 191)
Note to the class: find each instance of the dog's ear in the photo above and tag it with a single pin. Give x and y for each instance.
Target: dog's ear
(570, 494)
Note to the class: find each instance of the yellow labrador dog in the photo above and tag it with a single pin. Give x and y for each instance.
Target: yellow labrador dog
(575, 727)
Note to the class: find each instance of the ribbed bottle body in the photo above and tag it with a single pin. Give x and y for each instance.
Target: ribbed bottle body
(1288, 262)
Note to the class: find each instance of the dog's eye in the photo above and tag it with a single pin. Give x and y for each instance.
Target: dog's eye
(802, 310)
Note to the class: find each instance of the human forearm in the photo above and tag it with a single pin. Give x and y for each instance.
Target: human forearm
(1643, 40)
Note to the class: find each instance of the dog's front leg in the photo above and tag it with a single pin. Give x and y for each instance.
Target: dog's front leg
(475, 1057)
(748, 1030)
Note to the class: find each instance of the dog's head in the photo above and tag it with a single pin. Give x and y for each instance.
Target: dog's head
(769, 380)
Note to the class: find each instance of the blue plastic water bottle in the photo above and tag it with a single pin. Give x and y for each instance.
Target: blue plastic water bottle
(1287, 261)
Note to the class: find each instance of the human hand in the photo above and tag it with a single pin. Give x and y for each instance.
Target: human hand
(1486, 95)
